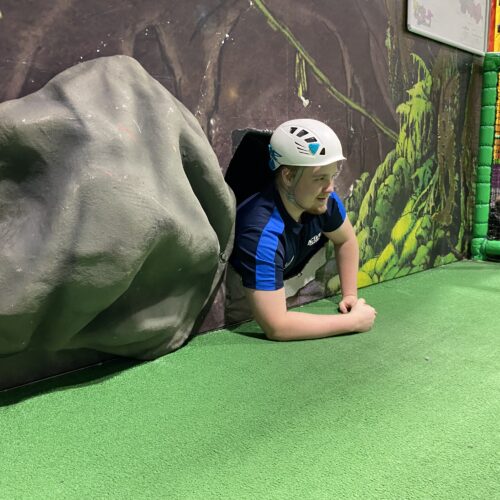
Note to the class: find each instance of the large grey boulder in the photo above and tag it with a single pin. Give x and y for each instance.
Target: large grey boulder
(115, 220)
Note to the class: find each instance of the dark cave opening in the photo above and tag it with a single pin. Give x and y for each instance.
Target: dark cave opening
(248, 171)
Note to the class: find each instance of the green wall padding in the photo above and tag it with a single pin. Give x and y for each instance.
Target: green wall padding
(480, 246)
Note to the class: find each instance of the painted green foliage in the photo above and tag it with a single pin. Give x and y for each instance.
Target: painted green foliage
(414, 212)
(404, 213)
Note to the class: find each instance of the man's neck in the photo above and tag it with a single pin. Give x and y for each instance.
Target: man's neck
(292, 208)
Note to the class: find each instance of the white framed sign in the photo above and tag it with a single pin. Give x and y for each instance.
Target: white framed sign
(461, 23)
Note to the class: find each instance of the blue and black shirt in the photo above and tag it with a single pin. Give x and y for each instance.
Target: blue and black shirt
(270, 246)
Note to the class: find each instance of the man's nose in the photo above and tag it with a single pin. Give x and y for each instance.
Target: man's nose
(329, 187)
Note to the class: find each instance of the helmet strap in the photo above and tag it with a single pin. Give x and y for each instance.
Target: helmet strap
(290, 191)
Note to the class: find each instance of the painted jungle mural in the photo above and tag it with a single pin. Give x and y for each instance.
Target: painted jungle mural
(414, 211)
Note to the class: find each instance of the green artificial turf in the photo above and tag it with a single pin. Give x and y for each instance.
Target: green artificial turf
(410, 410)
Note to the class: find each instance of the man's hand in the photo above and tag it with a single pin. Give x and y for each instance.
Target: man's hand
(364, 316)
(347, 303)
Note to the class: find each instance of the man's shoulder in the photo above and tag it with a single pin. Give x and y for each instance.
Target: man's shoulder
(336, 206)
(257, 210)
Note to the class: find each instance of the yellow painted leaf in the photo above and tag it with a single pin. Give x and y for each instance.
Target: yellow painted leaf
(364, 279)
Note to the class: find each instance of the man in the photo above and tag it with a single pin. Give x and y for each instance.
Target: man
(279, 229)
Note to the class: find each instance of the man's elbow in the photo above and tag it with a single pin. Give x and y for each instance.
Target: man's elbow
(276, 336)
(276, 332)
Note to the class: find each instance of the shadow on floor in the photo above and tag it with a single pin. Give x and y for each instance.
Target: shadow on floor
(78, 378)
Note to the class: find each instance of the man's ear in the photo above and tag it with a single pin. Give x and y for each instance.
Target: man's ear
(287, 175)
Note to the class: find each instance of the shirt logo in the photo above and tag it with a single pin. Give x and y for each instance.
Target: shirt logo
(290, 261)
(314, 240)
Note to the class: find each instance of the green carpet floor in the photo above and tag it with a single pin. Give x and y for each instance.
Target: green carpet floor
(410, 410)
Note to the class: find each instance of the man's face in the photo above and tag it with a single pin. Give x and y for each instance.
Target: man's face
(314, 188)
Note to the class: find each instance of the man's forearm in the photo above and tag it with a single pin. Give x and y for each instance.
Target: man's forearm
(303, 326)
(270, 311)
(347, 255)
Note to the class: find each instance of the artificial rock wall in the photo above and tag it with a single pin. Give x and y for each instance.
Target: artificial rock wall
(115, 220)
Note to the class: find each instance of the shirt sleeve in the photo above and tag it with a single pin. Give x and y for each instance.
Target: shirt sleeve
(258, 257)
(335, 214)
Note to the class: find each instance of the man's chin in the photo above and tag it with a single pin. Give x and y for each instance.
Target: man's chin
(318, 210)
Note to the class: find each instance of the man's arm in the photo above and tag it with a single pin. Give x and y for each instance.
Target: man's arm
(347, 256)
(270, 312)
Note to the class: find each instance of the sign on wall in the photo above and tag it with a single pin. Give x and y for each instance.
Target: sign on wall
(460, 23)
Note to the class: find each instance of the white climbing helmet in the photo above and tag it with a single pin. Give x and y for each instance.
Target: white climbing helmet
(304, 143)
